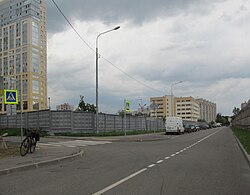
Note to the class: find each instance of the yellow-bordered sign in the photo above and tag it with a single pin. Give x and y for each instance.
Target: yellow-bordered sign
(10, 97)
(127, 106)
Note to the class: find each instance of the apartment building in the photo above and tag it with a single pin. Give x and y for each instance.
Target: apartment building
(23, 52)
(164, 108)
(188, 108)
(207, 110)
(65, 106)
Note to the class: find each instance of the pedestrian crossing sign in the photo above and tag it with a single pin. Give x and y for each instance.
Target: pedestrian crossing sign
(10, 97)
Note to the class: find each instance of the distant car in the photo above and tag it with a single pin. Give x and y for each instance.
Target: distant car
(204, 127)
(190, 128)
(197, 128)
(214, 126)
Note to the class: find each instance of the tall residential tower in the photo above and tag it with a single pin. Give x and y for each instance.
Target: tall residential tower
(23, 51)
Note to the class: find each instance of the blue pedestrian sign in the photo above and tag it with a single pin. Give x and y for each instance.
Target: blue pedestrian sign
(10, 97)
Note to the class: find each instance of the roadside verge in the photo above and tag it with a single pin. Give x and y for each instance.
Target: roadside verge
(239, 137)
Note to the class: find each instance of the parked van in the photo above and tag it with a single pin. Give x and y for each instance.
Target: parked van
(174, 125)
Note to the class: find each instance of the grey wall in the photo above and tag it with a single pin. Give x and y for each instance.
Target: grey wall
(81, 122)
(242, 119)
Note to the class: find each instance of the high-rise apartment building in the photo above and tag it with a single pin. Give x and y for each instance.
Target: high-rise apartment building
(207, 110)
(23, 51)
(187, 108)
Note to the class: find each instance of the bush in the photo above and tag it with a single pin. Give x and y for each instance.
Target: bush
(17, 132)
(100, 134)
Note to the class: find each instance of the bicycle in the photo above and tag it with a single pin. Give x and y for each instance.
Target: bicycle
(29, 143)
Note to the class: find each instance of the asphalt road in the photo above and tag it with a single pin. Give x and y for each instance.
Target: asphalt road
(205, 162)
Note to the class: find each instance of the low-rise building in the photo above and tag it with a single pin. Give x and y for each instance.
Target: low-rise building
(163, 109)
(65, 106)
(188, 108)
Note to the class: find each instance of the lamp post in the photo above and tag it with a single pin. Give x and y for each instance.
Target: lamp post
(172, 95)
(49, 102)
(97, 57)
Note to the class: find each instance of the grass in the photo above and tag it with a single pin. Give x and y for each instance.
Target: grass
(11, 131)
(103, 134)
(17, 132)
(244, 137)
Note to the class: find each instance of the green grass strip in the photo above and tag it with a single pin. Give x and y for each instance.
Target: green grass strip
(104, 134)
(243, 136)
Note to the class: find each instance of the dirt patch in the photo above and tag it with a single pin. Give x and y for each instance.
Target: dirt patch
(9, 152)
(12, 150)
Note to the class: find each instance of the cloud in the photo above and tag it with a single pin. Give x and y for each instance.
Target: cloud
(203, 44)
(115, 11)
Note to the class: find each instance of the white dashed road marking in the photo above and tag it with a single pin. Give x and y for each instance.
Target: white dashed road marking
(150, 166)
(119, 182)
(159, 161)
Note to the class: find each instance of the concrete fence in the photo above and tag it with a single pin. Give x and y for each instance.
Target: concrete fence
(78, 122)
(242, 119)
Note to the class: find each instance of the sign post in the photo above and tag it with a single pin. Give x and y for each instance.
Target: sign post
(126, 110)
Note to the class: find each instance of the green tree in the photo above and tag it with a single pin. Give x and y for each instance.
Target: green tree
(82, 106)
(121, 113)
(236, 111)
(222, 119)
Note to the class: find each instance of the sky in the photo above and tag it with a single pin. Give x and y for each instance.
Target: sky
(203, 43)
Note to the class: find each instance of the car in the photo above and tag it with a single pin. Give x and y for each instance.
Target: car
(204, 127)
(190, 128)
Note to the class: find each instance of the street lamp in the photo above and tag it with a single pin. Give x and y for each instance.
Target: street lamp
(171, 98)
(49, 102)
(97, 120)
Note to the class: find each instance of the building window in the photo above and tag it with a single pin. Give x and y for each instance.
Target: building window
(35, 87)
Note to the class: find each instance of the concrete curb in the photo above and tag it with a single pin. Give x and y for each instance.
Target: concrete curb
(246, 155)
(40, 164)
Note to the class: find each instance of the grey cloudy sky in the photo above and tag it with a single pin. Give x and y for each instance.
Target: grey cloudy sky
(204, 43)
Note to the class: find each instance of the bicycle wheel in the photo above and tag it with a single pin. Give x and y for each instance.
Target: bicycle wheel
(24, 148)
(32, 145)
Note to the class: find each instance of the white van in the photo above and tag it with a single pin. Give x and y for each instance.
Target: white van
(174, 125)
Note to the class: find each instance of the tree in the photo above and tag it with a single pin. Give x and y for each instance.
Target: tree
(219, 118)
(121, 113)
(236, 111)
(82, 106)
(222, 119)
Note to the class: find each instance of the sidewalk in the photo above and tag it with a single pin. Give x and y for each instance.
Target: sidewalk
(41, 157)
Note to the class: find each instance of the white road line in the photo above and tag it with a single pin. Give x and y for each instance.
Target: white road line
(159, 161)
(119, 182)
(142, 170)
(174, 137)
(54, 145)
(150, 166)
(74, 143)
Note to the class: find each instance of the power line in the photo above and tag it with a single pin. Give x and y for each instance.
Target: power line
(85, 42)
